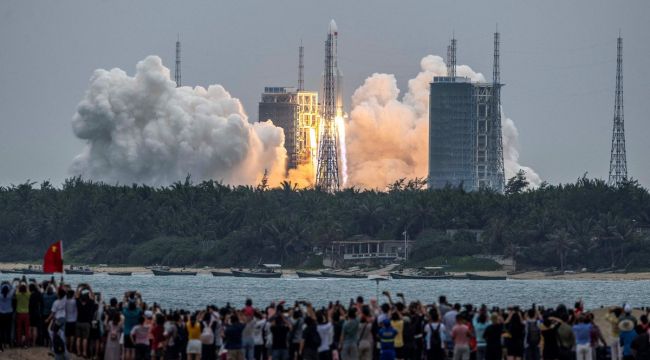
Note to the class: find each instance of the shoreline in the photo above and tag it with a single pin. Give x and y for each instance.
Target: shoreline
(528, 275)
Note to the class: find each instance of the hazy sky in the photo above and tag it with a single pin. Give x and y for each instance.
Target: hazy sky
(558, 61)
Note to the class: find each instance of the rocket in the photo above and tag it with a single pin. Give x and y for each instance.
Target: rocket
(332, 44)
(327, 174)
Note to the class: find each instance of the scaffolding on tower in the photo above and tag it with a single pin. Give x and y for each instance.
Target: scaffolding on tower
(327, 174)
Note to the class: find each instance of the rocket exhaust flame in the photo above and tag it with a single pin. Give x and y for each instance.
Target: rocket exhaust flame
(340, 128)
(387, 135)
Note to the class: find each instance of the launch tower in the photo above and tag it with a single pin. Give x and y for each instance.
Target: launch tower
(465, 142)
(327, 174)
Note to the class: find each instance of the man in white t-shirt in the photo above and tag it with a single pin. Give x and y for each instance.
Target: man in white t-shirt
(326, 333)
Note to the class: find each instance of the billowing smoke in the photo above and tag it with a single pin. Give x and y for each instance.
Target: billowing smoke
(143, 129)
(511, 154)
(387, 137)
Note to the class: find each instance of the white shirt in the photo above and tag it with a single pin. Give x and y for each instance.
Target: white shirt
(449, 320)
(257, 332)
(326, 332)
(71, 310)
(58, 308)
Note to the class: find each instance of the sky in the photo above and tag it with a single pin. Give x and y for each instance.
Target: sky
(558, 61)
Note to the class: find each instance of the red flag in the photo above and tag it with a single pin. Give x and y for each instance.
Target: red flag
(53, 260)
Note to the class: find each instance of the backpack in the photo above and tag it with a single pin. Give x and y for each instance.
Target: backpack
(434, 338)
(533, 333)
(57, 344)
(312, 338)
(181, 336)
(207, 335)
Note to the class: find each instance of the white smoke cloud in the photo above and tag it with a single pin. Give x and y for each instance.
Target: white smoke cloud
(143, 129)
(387, 138)
(511, 153)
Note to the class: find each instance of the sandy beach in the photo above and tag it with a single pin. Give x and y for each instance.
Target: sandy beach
(529, 275)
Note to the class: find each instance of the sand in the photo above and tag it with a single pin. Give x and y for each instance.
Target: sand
(530, 275)
(37, 353)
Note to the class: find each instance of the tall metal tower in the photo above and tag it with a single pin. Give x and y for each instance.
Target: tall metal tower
(618, 158)
(327, 174)
(177, 73)
(301, 67)
(496, 111)
(451, 58)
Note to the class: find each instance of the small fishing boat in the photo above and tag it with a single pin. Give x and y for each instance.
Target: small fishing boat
(23, 272)
(485, 277)
(120, 273)
(262, 271)
(403, 276)
(220, 273)
(79, 270)
(305, 274)
(425, 273)
(158, 272)
(342, 275)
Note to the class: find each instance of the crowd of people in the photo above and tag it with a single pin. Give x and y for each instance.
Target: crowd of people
(71, 319)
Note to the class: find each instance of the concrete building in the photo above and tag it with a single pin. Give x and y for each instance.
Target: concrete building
(354, 252)
(465, 142)
(296, 112)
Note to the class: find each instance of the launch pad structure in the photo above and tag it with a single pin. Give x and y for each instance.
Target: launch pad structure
(327, 173)
(465, 140)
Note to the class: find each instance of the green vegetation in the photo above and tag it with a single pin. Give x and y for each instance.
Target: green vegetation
(586, 224)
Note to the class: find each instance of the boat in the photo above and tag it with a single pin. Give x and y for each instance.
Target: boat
(424, 273)
(305, 274)
(23, 271)
(120, 273)
(342, 275)
(158, 272)
(485, 277)
(404, 276)
(221, 273)
(79, 270)
(256, 274)
(261, 271)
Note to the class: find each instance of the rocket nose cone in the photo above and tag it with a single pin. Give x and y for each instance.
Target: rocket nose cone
(333, 28)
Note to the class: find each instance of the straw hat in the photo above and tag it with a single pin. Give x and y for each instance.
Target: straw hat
(626, 325)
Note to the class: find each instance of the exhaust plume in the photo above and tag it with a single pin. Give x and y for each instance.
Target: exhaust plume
(142, 129)
(387, 137)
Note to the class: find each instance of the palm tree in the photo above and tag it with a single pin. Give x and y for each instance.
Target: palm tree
(563, 243)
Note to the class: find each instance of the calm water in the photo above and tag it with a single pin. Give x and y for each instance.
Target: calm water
(198, 291)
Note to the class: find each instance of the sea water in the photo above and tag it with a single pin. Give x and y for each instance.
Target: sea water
(194, 292)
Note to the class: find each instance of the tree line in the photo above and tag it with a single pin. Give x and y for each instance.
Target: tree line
(586, 224)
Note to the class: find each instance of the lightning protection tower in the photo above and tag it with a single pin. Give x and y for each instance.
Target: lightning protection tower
(497, 171)
(177, 73)
(327, 174)
(618, 158)
(301, 67)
